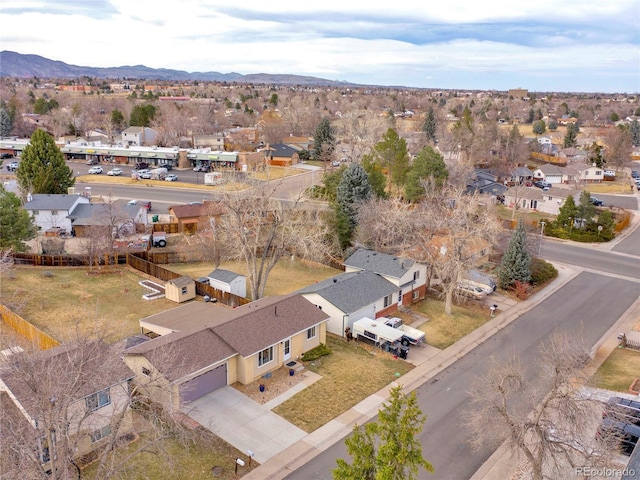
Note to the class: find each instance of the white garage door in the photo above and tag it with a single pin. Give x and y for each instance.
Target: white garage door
(202, 384)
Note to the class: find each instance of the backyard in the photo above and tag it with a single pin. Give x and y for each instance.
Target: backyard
(618, 371)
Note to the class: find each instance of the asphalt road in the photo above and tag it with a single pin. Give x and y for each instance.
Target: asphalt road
(578, 308)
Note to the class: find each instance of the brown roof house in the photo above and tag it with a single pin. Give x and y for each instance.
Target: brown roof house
(189, 216)
(180, 289)
(204, 346)
(63, 403)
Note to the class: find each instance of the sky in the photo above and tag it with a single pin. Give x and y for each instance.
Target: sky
(541, 45)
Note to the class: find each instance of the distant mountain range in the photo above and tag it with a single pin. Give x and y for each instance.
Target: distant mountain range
(13, 64)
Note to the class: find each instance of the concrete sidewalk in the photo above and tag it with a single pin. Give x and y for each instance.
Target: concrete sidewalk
(429, 365)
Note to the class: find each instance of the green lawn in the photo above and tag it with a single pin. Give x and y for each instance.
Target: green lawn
(286, 277)
(350, 374)
(443, 330)
(618, 371)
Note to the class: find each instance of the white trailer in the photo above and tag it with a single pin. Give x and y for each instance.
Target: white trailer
(158, 173)
(376, 331)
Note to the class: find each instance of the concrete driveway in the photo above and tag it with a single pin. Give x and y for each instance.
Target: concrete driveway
(243, 423)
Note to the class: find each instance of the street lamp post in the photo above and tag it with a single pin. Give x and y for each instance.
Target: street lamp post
(542, 224)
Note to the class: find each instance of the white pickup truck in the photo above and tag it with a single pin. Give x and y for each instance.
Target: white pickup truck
(410, 335)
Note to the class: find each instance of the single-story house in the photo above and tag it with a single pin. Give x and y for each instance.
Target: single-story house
(521, 176)
(188, 217)
(282, 155)
(139, 136)
(52, 210)
(409, 276)
(204, 346)
(81, 388)
(549, 173)
(118, 219)
(180, 289)
(228, 281)
(548, 201)
(351, 296)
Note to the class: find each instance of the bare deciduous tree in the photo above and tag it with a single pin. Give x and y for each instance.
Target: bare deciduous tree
(540, 415)
(260, 230)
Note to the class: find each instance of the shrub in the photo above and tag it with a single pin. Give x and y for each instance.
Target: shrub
(542, 271)
(521, 289)
(315, 353)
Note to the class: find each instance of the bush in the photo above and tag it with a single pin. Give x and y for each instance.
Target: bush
(315, 353)
(542, 271)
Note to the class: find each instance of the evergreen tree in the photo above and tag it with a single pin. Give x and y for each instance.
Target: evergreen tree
(142, 115)
(377, 179)
(353, 189)
(516, 261)
(567, 213)
(553, 125)
(43, 169)
(430, 125)
(570, 136)
(323, 140)
(389, 448)
(391, 152)
(16, 225)
(6, 123)
(595, 156)
(539, 127)
(585, 209)
(429, 164)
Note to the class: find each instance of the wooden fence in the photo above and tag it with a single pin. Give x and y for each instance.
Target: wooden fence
(23, 328)
(138, 262)
(38, 260)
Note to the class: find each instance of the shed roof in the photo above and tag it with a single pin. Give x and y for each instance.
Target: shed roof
(222, 275)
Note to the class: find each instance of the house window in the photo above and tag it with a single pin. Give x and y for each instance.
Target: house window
(311, 333)
(146, 371)
(54, 212)
(416, 294)
(184, 290)
(399, 295)
(416, 275)
(387, 300)
(100, 433)
(265, 356)
(98, 399)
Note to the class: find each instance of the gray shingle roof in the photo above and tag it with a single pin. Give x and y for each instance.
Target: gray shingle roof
(101, 213)
(380, 263)
(41, 201)
(352, 291)
(222, 275)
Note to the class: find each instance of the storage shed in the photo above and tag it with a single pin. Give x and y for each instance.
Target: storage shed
(180, 289)
(228, 281)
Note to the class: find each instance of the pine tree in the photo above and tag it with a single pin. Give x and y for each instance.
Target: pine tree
(516, 261)
(43, 169)
(570, 136)
(323, 140)
(392, 153)
(16, 225)
(377, 179)
(634, 128)
(387, 449)
(6, 123)
(429, 164)
(567, 213)
(353, 189)
(430, 125)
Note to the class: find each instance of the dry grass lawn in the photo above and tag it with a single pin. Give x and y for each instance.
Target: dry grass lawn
(443, 330)
(287, 276)
(82, 180)
(350, 374)
(618, 371)
(70, 297)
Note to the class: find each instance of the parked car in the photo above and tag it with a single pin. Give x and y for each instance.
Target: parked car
(172, 177)
(146, 175)
(542, 184)
(12, 167)
(635, 174)
(141, 165)
(95, 170)
(471, 291)
(115, 172)
(609, 173)
(596, 201)
(92, 161)
(335, 163)
(4, 156)
(625, 435)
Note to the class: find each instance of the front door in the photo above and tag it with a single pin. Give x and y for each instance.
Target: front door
(286, 349)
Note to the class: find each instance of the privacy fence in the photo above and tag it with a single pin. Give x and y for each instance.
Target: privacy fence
(26, 330)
